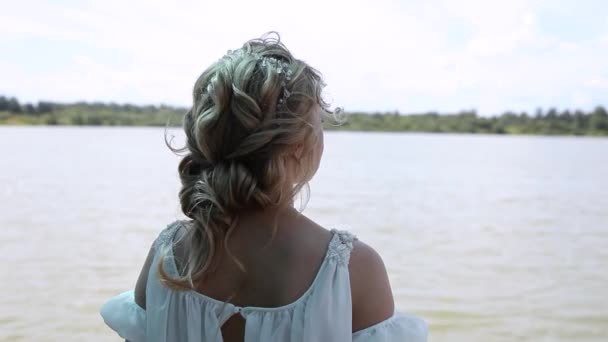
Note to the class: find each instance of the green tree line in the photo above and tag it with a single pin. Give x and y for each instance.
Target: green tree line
(548, 122)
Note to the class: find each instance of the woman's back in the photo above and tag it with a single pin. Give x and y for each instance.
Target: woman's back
(280, 269)
(277, 269)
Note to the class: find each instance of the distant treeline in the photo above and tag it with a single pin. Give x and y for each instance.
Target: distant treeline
(550, 121)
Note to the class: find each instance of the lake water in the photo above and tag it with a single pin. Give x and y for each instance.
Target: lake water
(489, 238)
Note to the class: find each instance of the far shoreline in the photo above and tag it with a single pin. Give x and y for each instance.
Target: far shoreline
(550, 122)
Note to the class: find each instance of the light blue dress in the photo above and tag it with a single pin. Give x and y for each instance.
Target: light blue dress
(322, 313)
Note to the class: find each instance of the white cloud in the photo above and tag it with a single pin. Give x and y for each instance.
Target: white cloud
(599, 82)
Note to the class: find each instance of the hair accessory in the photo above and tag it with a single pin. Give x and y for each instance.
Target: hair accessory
(278, 66)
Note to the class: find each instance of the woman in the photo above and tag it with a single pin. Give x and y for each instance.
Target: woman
(247, 266)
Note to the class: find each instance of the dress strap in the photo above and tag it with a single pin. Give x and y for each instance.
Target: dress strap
(340, 246)
(167, 234)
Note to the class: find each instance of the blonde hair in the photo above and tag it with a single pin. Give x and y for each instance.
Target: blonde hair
(238, 140)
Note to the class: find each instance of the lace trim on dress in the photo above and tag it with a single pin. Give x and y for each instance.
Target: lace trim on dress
(340, 246)
(166, 235)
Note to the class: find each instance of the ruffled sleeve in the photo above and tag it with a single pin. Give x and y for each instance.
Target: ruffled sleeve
(124, 316)
(400, 327)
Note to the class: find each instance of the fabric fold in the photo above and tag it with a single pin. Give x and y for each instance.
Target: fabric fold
(124, 316)
(399, 327)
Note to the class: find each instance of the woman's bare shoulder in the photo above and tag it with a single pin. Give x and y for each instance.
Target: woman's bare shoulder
(370, 287)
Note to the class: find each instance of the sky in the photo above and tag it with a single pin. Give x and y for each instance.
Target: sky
(381, 55)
